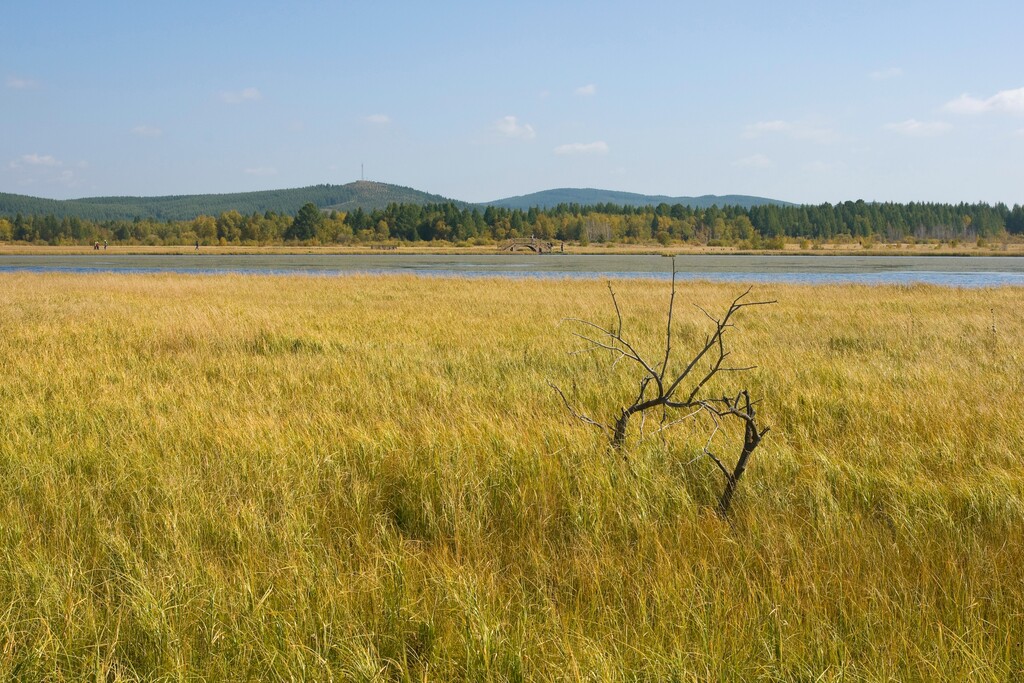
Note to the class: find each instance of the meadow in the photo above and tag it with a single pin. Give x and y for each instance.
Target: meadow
(208, 478)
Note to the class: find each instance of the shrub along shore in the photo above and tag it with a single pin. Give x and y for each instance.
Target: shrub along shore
(370, 478)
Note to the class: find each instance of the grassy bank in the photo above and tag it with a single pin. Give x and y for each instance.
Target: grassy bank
(369, 478)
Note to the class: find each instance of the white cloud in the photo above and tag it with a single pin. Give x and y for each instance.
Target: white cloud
(754, 161)
(147, 131)
(598, 147)
(20, 83)
(1019, 133)
(260, 171)
(919, 129)
(511, 127)
(1010, 101)
(588, 90)
(794, 130)
(966, 105)
(45, 169)
(36, 160)
(886, 73)
(378, 119)
(240, 96)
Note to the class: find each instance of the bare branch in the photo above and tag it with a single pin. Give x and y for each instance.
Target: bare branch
(679, 420)
(616, 337)
(708, 315)
(707, 447)
(657, 388)
(718, 462)
(618, 313)
(668, 325)
(598, 344)
(722, 355)
(590, 324)
(578, 415)
(580, 352)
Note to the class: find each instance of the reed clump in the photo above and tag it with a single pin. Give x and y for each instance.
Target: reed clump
(369, 478)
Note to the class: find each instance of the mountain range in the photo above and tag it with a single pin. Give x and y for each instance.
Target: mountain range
(589, 197)
(360, 194)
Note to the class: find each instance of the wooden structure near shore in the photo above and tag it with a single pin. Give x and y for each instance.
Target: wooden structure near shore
(530, 244)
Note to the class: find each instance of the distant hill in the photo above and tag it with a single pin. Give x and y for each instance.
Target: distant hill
(361, 194)
(590, 196)
(365, 194)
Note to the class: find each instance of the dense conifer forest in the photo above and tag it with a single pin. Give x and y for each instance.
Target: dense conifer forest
(763, 226)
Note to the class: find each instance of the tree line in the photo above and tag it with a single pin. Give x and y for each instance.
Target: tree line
(755, 227)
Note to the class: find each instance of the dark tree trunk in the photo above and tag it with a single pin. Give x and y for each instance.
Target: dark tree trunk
(751, 439)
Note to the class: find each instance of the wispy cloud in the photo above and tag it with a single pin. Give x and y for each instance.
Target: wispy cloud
(919, 129)
(378, 119)
(588, 90)
(1009, 101)
(240, 96)
(791, 129)
(512, 127)
(754, 161)
(886, 73)
(260, 171)
(145, 130)
(36, 160)
(45, 169)
(21, 83)
(598, 147)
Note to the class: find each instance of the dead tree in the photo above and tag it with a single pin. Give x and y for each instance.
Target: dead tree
(678, 389)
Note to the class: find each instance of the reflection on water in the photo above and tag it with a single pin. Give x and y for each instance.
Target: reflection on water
(960, 271)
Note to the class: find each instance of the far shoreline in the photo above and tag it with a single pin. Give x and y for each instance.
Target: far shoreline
(1015, 249)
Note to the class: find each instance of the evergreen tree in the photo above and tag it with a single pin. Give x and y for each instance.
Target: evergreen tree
(306, 222)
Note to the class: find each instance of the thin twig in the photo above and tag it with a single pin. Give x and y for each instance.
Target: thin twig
(578, 415)
(618, 313)
(668, 325)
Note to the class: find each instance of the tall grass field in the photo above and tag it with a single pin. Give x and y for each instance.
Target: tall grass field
(369, 478)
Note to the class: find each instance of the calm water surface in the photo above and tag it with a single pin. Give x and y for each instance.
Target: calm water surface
(959, 271)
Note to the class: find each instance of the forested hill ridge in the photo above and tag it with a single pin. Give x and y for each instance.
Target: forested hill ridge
(360, 194)
(365, 195)
(549, 199)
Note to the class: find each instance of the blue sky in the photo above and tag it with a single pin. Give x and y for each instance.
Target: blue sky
(802, 101)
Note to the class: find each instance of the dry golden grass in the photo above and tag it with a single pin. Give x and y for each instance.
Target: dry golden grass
(368, 478)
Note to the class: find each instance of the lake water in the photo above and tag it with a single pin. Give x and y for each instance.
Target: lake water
(957, 271)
